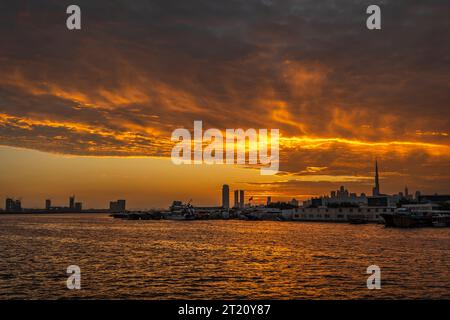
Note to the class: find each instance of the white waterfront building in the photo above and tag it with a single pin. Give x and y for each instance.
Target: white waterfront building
(370, 214)
(323, 213)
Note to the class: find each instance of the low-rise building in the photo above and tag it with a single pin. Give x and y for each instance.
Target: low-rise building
(370, 214)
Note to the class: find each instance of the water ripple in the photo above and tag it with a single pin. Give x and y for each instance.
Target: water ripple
(217, 259)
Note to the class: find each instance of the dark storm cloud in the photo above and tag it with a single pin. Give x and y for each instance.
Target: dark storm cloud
(139, 69)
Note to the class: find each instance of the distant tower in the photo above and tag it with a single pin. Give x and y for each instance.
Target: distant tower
(269, 200)
(236, 198)
(225, 196)
(406, 192)
(72, 202)
(241, 198)
(376, 189)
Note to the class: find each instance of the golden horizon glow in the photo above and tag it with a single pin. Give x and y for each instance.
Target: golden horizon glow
(104, 103)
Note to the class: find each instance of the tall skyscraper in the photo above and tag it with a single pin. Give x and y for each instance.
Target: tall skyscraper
(72, 202)
(225, 196)
(241, 198)
(376, 189)
(377, 178)
(48, 204)
(12, 205)
(269, 200)
(236, 198)
(117, 206)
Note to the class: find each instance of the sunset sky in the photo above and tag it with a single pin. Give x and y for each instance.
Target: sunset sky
(91, 112)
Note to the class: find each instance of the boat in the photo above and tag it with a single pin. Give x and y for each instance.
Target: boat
(145, 216)
(177, 211)
(406, 218)
(133, 216)
(180, 211)
(180, 217)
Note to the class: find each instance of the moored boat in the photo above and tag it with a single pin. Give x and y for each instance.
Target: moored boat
(180, 211)
(358, 219)
(408, 218)
(441, 220)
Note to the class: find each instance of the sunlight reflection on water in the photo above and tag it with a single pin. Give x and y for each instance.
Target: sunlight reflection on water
(217, 259)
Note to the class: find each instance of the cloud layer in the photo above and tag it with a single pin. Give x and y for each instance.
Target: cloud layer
(340, 94)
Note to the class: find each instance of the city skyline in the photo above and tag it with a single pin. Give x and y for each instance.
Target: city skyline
(259, 197)
(342, 195)
(93, 113)
(225, 158)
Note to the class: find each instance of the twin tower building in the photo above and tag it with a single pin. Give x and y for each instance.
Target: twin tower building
(238, 197)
